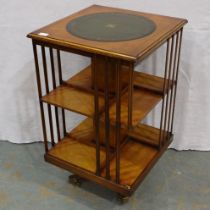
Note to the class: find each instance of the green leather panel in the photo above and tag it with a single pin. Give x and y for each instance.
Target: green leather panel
(111, 27)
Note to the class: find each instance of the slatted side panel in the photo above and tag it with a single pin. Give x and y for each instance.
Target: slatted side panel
(47, 62)
(169, 99)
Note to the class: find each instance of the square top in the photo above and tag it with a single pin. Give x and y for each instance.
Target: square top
(135, 49)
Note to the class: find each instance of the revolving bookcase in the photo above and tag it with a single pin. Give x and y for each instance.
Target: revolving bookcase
(112, 146)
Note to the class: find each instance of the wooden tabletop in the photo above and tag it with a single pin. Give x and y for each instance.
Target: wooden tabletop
(132, 50)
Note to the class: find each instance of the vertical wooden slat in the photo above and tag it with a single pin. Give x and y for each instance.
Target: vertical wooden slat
(177, 75)
(130, 96)
(96, 115)
(172, 87)
(54, 87)
(47, 91)
(118, 120)
(168, 90)
(60, 82)
(164, 91)
(107, 124)
(40, 96)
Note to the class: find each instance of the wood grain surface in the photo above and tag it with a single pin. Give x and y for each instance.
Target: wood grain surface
(143, 102)
(84, 132)
(83, 80)
(134, 158)
(77, 153)
(150, 82)
(73, 100)
(146, 134)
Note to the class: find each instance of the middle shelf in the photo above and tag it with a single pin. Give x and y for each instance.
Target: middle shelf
(78, 98)
(73, 100)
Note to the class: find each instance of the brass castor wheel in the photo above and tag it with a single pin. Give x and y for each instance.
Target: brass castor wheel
(75, 180)
(122, 198)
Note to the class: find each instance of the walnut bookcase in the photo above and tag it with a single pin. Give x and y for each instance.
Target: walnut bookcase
(112, 146)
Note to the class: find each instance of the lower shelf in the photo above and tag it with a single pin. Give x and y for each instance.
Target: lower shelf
(77, 153)
(134, 159)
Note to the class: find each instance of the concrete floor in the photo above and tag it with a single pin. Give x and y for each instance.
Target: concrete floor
(179, 181)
